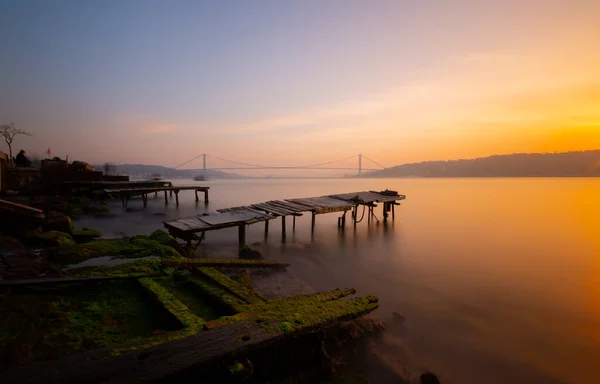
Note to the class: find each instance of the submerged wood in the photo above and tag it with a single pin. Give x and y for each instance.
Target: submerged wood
(233, 263)
(198, 353)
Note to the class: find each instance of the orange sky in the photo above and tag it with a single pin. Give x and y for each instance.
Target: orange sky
(302, 83)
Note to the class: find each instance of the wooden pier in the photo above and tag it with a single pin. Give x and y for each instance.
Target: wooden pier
(189, 228)
(126, 193)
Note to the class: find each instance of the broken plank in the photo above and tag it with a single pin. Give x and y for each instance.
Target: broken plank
(228, 263)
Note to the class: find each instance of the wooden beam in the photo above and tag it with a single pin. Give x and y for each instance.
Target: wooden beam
(283, 227)
(242, 235)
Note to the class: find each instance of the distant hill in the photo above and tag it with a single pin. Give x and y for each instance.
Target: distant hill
(567, 164)
(144, 171)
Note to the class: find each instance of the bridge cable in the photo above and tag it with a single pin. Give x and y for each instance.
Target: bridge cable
(299, 167)
(373, 161)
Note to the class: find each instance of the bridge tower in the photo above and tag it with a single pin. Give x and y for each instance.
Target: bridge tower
(204, 161)
(359, 164)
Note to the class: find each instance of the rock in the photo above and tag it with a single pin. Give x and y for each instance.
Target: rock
(86, 235)
(96, 210)
(398, 318)
(56, 221)
(429, 378)
(250, 254)
(48, 239)
(15, 259)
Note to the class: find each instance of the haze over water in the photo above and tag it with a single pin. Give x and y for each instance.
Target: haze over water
(499, 279)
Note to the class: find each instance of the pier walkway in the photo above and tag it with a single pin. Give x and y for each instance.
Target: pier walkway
(188, 228)
(126, 193)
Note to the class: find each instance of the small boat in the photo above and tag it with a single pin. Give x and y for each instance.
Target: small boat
(200, 178)
(156, 177)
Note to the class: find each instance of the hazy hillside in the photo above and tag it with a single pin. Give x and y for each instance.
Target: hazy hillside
(568, 164)
(141, 170)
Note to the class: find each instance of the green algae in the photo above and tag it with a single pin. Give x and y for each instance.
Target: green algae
(229, 284)
(175, 307)
(48, 239)
(140, 268)
(133, 248)
(189, 323)
(86, 231)
(51, 322)
(177, 287)
(305, 312)
(216, 294)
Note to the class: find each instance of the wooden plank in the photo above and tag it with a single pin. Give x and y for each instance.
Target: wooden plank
(368, 197)
(198, 353)
(25, 209)
(272, 209)
(229, 217)
(64, 280)
(229, 263)
(288, 205)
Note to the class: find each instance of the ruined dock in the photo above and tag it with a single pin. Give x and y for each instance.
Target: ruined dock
(195, 227)
(126, 193)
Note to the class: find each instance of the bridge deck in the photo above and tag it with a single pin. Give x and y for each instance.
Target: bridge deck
(186, 228)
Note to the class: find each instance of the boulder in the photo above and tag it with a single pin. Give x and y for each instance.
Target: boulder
(56, 221)
(16, 261)
(250, 254)
(48, 239)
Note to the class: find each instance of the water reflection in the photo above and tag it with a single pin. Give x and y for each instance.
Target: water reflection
(496, 293)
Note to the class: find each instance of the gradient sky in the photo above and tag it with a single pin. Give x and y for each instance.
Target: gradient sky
(300, 82)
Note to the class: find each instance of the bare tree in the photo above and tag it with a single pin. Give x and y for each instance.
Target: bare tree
(8, 131)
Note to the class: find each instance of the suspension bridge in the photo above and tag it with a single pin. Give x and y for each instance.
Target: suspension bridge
(330, 165)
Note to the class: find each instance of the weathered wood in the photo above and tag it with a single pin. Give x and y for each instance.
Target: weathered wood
(9, 206)
(63, 280)
(197, 353)
(242, 235)
(229, 263)
(283, 227)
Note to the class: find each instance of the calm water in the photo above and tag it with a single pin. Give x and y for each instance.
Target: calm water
(499, 279)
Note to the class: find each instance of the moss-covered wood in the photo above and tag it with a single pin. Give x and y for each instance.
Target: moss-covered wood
(42, 322)
(228, 284)
(225, 263)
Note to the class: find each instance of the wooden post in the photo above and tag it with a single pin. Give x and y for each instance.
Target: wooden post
(241, 234)
(355, 213)
(344, 219)
(166, 199)
(393, 211)
(294, 224)
(177, 197)
(155, 193)
(145, 199)
(283, 227)
(385, 211)
(197, 196)
(312, 225)
(206, 196)
(266, 229)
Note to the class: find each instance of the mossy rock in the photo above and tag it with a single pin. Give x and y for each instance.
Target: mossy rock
(48, 239)
(139, 246)
(56, 221)
(96, 210)
(250, 254)
(86, 235)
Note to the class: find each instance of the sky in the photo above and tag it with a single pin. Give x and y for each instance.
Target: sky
(300, 82)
